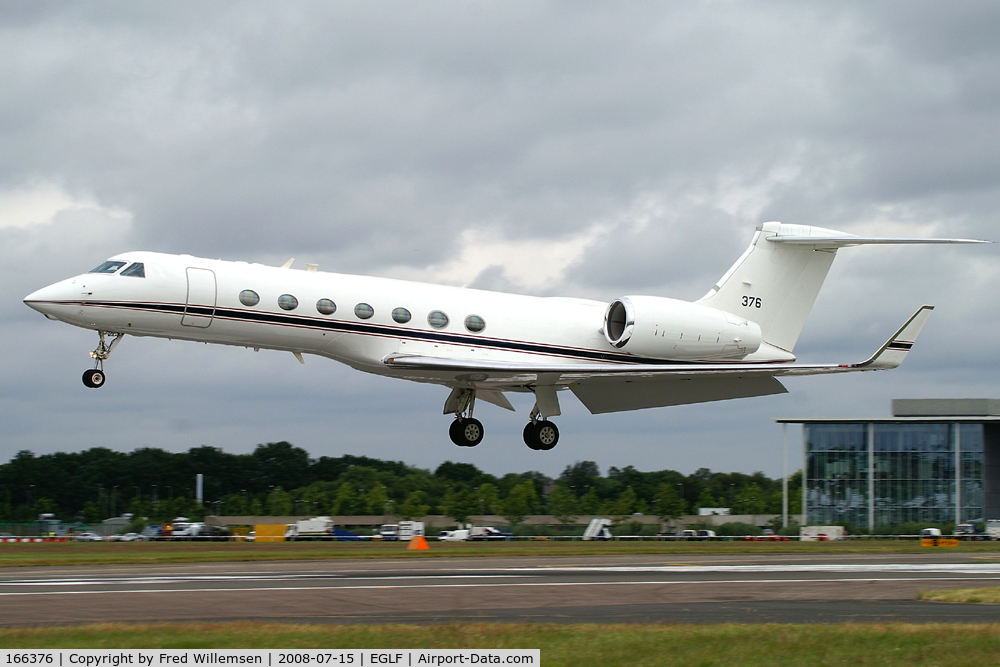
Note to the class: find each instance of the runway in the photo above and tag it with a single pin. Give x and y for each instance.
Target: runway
(820, 588)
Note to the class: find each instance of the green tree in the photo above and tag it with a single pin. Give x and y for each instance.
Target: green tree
(669, 504)
(91, 512)
(256, 507)
(623, 508)
(459, 503)
(520, 503)
(413, 507)
(279, 503)
(750, 500)
(563, 504)
(487, 498)
(706, 499)
(375, 500)
(591, 503)
(343, 502)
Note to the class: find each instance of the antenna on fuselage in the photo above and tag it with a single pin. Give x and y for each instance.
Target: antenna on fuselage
(288, 264)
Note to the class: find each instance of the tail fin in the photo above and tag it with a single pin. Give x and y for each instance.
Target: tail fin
(776, 281)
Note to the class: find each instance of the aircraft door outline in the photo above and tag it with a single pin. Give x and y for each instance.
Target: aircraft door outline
(202, 292)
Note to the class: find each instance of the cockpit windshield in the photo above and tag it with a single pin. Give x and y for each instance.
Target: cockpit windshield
(109, 266)
(136, 271)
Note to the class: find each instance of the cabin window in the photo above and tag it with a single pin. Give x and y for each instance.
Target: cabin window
(136, 271)
(401, 315)
(474, 323)
(437, 319)
(249, 298)
(109, 266)
(326, 306)
(287, 302)
(364, 311)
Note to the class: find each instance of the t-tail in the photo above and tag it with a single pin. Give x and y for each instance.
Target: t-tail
(776, 281)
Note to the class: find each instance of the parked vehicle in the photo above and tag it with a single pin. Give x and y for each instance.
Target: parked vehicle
(930, 532)
(487, 534)
(598, 529)
(316, 528)
(993, 529)
(969, 531)
(87, 536)
(473, 534)
(403, 531)
(821, 533)
(460, 535)
(183, 529)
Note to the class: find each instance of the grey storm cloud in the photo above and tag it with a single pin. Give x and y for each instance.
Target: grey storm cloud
(580, 149)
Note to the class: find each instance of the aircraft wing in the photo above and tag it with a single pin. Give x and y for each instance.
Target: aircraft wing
(607, 387)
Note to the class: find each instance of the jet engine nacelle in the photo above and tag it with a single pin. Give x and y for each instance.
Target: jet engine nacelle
(661, 328)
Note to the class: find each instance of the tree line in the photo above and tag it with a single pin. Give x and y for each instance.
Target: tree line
(281, 479)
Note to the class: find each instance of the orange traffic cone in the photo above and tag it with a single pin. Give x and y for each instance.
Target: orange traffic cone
(418, 543)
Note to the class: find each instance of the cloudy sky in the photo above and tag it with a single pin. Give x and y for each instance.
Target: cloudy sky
(577, 149)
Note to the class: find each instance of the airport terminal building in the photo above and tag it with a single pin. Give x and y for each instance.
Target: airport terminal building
(933, 461)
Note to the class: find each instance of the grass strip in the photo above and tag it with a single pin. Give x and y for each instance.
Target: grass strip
(882, 644)
(137, 553)
(966, 595)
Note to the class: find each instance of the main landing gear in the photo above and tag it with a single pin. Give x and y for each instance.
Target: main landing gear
(466, 431)
(540, 434)
(94, 377)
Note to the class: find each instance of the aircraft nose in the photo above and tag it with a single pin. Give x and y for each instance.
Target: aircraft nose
(47, 299)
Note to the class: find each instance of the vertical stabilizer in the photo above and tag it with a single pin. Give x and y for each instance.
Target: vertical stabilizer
(776, 281)
(776, 284)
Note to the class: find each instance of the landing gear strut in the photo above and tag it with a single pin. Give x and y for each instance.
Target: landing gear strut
(465, 431)
(94, 377)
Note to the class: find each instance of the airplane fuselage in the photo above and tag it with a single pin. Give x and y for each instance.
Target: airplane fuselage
(356, 320)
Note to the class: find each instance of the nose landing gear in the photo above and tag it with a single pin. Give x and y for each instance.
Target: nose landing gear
(94, 377)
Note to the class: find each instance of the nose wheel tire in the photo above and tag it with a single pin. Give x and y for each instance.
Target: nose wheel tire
(93, 378)
(541, 436)
(466, 432)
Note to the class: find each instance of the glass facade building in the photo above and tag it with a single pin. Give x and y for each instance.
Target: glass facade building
(881, 474)
(936, 461)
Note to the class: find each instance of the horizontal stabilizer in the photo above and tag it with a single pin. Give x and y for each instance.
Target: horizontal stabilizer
(845, 240)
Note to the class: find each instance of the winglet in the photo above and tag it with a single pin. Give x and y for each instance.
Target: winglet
(894, 351)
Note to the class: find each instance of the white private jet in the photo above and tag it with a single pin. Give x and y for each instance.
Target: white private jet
(635, 352)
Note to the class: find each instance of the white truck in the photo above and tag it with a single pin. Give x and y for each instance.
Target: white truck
(993, 529)
(597, 529)
(473, 534)
(404, 531)
(315, 528)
